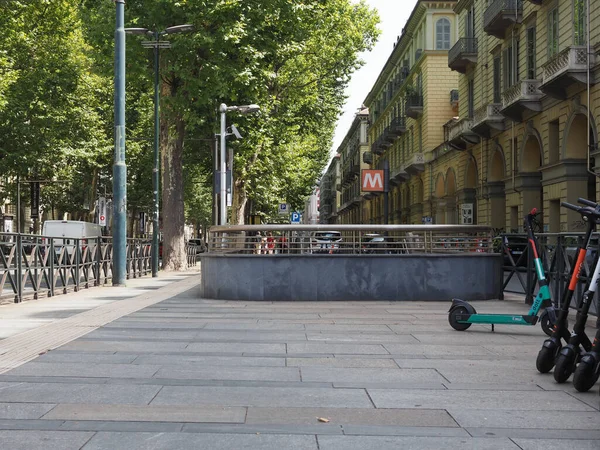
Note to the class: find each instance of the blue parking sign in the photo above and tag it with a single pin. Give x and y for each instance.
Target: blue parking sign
(295, 217)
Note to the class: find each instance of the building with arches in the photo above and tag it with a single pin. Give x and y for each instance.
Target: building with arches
(522, 120)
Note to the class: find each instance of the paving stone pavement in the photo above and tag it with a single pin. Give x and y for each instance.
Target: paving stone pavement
(189, 373)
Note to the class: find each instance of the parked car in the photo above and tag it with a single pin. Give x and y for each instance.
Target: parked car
(325, 241)
(516, 246)
(198, 244)
(375, 243)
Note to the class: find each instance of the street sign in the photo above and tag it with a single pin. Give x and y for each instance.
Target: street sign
(283, 209)
(102, 211)
(35, 200)
(372, 180)
(295, 217)
(426, 219)
(467, 213)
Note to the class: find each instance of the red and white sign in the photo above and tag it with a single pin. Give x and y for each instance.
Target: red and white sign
(372, 180)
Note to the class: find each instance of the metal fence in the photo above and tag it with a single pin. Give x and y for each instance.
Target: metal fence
(32, 266)
(557, 252)
(349, 239)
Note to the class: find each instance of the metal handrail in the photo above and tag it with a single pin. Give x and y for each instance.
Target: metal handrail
(353, 239)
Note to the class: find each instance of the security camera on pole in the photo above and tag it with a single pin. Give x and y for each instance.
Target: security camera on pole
(223, 108)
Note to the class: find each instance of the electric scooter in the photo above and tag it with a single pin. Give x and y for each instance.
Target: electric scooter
(552, 346)
(569, 355)
(588, 369)
(461, 314)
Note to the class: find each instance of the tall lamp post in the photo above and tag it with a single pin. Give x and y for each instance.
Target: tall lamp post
(157, 44)
(223, 109)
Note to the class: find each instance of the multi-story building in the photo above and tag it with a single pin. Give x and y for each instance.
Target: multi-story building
(329, 200)
(413, 97)
(353, 157)
(527, 77)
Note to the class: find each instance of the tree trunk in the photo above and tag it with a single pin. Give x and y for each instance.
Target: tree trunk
(173, 216)
(239, 206)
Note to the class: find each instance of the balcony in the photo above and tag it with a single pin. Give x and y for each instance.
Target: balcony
(399, 175)
(488, 120)
(414, 106)
(500, 15)
(398, 126)
(416, 164)
(567, 68)
(377, 148)
(463, 54)
(388, 136)
(458, 133)
(523, 96)
(367, 158)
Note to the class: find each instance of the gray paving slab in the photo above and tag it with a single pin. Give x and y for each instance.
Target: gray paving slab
(77, 393)
(536, 433)
(197, 372)
(81, 357)
(112, 425)
(475, 386)
(81, 345)
(351, 416)
(254, 326)
(150, 335)
(412, 442)
(457, 338)
(215, 347)
(85, 369)
(263, 396)
(31, 424)
(250, 335)
(557, 444)
(353, 349)
(497, 418)
(337, 328)
(392, 430)
(490, 400)
(43, 440)
(214, 441)
(436, 350)
(341, 362)
(321, 428)
(380, 375)
(362, 337)
(147, 413)
(208, 361)
(126, 323)
(24, 410)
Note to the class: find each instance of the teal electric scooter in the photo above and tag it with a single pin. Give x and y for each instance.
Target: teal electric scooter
(461, 314)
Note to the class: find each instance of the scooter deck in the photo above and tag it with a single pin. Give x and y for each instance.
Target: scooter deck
(504, 319)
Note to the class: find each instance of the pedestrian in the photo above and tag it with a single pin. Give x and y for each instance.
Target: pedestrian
(258, 243)
(270, 243)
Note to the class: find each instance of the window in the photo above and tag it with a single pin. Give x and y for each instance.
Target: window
(471, 93)
(497, 79)
(531, 53)
(553, 32)
(442, 34)
(511, 65)
(579, 22)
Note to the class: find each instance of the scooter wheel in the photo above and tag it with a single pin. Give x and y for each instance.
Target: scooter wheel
(547, 327)
(546, 356)
(452, 318)
(585, 375)
(565, 364)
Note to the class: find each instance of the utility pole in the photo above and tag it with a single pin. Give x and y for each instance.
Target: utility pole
(119, 166)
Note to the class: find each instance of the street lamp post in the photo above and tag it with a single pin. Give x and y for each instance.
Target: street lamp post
(157, 44)
(223, 109)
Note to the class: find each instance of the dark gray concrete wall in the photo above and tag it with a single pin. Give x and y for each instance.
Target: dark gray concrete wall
(473, 276)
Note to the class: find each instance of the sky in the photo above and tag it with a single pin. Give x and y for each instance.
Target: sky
(393, 15)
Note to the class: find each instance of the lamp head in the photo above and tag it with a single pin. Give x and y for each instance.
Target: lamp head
(137, 31)
(179, 29)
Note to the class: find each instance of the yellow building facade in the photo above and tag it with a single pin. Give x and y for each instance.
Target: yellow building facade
(414, 96)
(522, 138)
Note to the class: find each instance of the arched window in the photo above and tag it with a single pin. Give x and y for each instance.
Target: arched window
(442, 34)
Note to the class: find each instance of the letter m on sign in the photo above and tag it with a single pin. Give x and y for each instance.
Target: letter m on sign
(372, 180)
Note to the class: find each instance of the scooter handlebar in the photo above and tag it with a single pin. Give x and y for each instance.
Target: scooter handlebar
(586, 202)
(570, 206)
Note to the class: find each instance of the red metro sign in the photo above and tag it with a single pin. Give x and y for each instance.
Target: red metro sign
(372, 180)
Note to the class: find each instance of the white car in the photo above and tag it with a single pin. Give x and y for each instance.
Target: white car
(325, 241)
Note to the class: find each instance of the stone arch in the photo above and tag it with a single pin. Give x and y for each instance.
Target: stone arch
(497, 168)
(531, 152)
(471, 174)
(450, 182)
(574, 145)
(451, 216)
(440, 186)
